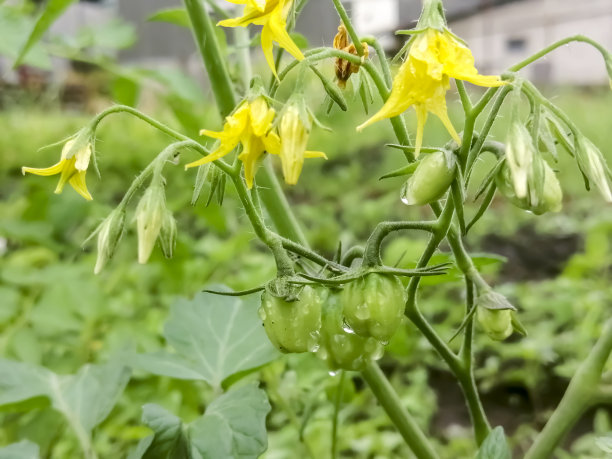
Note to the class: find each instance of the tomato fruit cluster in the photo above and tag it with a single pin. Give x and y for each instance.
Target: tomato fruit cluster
(346, 328)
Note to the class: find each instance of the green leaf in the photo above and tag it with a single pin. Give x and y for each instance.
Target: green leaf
(234, 425)
(176, 16)
(495, 446)
(15, 27)
(85, 399)
(300, 40)
(51, 11)
(169, 439)
(23, 450)
(125, 91)
(214, 336)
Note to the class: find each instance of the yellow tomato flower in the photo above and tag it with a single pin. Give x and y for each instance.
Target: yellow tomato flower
(272, 15)
(72, 170)
(294, 134)
(251, 126)
(423, 79)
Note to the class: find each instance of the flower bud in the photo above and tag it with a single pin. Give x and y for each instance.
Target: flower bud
(544, 190)
(520, 152)
(430, 180)
(167, 234)
(150, 215)
(109, 234)
(294, 129)
(494, 314)
(594, 167)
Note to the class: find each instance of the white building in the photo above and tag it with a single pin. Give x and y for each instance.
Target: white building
(508, 33)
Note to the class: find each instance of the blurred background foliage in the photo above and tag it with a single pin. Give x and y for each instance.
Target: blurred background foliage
(55, 313)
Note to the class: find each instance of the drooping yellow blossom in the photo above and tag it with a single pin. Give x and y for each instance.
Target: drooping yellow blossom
(423, 79)
(250, 125)
(72, 170)
(294, 134)
(272, 15)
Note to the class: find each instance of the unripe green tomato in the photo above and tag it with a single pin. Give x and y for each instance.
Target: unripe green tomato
(550, 200)
(340, 347)
(432, 177)
(497, 323)
(373, 305)
(293, 326)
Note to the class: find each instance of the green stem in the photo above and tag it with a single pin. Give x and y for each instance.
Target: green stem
(337, 403)
(208, 46)
(349, 26)
(465, 98)
(371, 256)
(475, 150)
(555, 45)
(391, 403)
(578, 397)
(278, 208)
(382, 58)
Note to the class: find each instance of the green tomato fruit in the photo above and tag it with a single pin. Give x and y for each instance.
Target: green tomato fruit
(496, 323)
(432, 177)
(293, 326)
(340, 347)
(373, 305)
(548, 199)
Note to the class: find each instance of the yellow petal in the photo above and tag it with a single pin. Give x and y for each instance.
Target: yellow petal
(272, 143)
(421, 113)
(278, 28)
(314, 154)
(400, 98)
(55, 169)
(266, 47)
(252, 149)
(77, 181)
(261, 116)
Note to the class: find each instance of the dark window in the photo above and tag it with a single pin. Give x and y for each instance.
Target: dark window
(516, 44)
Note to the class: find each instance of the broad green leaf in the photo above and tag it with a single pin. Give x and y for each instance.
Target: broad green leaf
(214, 336)
(176, 16)
(300, 40)
(169, 439)
(52, 10)
(85, 399)
(495, 446)
(125, 91)
(23, 450)
(164, 364)
(15, 26)
(234, 425)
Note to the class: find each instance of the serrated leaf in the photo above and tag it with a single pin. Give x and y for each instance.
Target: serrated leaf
(495, 446)
(23, 450)
(176, 16)
(214, 336)
(233, 426)
(52, 10)
(85, 399)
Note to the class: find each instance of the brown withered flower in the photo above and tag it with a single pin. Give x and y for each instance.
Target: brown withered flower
(345, 69)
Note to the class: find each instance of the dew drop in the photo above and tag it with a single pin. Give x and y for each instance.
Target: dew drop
(347, 328)
(333, 373)
(262, 313)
